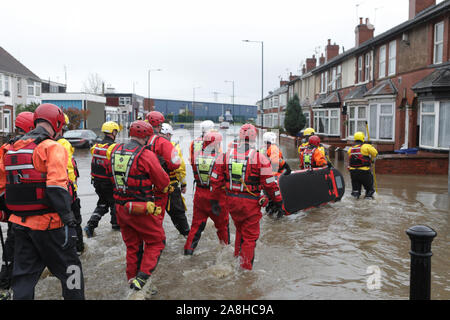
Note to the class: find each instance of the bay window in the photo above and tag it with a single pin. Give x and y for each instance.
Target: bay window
(381, 121)
(307, 122)
(326, 121)
(357, 119)
(435, 125)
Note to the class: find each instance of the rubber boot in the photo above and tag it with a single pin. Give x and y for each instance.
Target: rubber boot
(139, 282)
(356, 194)
(369, 194)
(188, 252)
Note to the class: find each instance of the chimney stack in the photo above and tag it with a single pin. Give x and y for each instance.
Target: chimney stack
(311, 63)
(321, 60)
(363, 32)
(304, 69)
(331, 50)
(416, 6)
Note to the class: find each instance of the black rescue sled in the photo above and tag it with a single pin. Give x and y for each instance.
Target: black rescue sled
(311, 188)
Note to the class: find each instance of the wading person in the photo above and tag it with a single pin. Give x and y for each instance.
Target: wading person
(312, 157)
(33, 175)
(308, 133)
(244, 172)
(73, 173)
(176, 207)
(137, 173)
(206, 204)
(197, 144)
(24, 123)
(361, 157)
(101, 178)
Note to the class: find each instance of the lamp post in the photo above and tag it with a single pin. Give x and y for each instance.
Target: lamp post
(262, 79)
(193, 105)
(149, 71)
(232, 81)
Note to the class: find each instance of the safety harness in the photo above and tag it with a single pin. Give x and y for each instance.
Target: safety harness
(357, 159)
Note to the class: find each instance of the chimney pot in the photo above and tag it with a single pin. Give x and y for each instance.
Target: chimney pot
(360, 21)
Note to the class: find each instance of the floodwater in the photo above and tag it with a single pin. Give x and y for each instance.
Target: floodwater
(324, 253)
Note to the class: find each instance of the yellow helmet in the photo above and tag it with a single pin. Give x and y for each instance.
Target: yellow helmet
(309, 132)
(359, 136)
(110, 126)
(66, 119)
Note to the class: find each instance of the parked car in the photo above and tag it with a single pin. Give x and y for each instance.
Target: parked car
(225, 125)
(81, 138)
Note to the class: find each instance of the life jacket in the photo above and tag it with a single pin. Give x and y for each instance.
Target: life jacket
(203, 166)
(100, 163)
(241, 177)
(25, 186)
(308, 158)
(357, 159)
(197, 147)
(129, 183)
(277, 168)
(152, 147)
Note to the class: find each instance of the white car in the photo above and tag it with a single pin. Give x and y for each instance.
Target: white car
(225, 125)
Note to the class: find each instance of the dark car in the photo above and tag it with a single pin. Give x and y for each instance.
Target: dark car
(81, 138)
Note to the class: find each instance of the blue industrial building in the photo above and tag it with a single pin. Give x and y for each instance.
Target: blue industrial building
(205, 110)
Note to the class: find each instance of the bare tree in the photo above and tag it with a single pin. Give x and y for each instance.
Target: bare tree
(93, 84)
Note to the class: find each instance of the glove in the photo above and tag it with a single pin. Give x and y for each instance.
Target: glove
(216, 209)
(287, 170)
(183, 188)
(71, 237)
(279, 210)
(3, 216)
(329, 164)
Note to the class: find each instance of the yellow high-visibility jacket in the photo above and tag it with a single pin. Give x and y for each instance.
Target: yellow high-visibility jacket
(366, 150)
(70, 169)
(178, 175)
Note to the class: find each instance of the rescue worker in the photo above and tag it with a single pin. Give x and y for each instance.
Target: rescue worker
(197, 144)
(312, 157)
(308, 133)
(101, 178)
(244, 172)
(33, 175)
(73, 186)
(176, 207)
(136, 173)
(24, 124)
(361, 157)
(206, 204)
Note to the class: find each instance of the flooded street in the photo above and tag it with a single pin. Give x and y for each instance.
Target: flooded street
(320, 254)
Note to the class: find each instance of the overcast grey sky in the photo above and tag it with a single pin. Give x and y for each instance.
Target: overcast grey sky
(196, 43)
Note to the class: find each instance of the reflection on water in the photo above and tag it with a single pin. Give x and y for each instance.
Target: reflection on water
(320, 254)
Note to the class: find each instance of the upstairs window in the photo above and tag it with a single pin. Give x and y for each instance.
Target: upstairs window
(360, 69)
(382, 68)
(367, 67)
(392, 57)
(438, 42)
(339, 77)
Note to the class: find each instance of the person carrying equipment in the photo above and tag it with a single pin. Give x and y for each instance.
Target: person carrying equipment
(137, 173)
(101, 178)
(197, 144)
(24, 123)
(244, 172)
(176, 207)
(312, 157)
(361, 157)
(33, 176)
(206, 204)
(73, 186)
(308, 133)
(274, 154)
(164, 150)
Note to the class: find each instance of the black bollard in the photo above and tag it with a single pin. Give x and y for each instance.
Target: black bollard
(420, 276)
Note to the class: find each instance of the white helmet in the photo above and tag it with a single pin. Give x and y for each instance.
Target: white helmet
(270, 137)
(205, 126)
(166, 129)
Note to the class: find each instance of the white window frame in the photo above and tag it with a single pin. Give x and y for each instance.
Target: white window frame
(328, 116)
(437, 105)
(339, 77)
(360, 69)
(378, 116)
(392, 64)
(356, 119)
(322, 82)
(382, 62)
(19, 86)
(308, 120)
(367, 60)
(1, 84)
(333, 78)
(30, 86)
(37, 89)
(6, 83)
(437, 43)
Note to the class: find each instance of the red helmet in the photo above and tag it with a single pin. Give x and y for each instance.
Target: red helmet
(155, 118)
(212, 138)
(24, 121)
(141, 129)
(248, 132)
(314, 140)
(52, 114)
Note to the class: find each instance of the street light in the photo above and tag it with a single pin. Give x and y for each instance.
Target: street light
(149, 71)
(232, 81)
(262, 79)
(193, 105)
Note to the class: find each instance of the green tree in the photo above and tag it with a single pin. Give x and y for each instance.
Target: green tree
(22, 108)
(294, 120)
